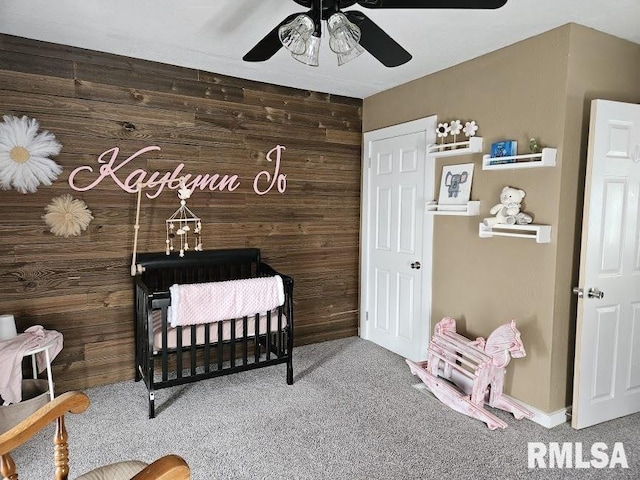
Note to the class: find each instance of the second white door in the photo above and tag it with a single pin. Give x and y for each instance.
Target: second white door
(607, 365)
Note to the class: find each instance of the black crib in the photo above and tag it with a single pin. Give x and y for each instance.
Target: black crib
(167, 356)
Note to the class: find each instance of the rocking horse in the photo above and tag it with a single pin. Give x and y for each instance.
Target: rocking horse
(465, 374)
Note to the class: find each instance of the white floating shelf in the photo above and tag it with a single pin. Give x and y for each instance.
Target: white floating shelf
(541, 233)
(473, 145)
(469, 209)
(546, 158)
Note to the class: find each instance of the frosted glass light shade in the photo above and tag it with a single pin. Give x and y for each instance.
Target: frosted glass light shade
(343, 35)
(312, 52)
(295, 34)
(347, 57)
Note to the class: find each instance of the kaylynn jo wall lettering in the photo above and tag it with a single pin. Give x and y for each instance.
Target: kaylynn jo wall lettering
(156, 182)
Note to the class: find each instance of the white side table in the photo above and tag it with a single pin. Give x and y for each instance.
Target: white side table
(45, 349)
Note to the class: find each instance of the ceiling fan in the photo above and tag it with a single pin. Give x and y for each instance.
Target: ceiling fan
(366, 34)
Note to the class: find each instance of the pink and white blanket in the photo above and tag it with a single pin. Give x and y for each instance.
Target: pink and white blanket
(12, 351)
(211, 302)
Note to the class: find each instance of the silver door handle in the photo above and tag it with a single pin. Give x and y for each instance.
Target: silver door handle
(416, 265)
(591, 293)
(595, 293)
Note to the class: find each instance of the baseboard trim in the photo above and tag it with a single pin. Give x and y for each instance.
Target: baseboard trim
(547, 420)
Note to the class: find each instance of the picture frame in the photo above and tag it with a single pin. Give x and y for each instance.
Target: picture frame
(455, 186)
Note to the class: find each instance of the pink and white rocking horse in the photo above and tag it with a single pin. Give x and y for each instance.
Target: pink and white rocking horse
(465, 374)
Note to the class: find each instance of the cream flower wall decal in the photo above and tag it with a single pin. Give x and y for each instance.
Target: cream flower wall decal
(66, 216)
(470, 128)
(24, 162)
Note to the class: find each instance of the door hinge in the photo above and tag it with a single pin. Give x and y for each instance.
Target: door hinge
(369, 162)
(366, 316)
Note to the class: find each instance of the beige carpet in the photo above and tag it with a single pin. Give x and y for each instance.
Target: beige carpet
(352, 413)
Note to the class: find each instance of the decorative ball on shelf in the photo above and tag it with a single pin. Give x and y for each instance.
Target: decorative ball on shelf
(66, 216)
(24, 162)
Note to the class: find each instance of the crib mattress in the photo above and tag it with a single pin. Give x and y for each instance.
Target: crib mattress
(172, 333)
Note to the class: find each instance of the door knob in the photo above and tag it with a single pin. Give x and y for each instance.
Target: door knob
(416, 265)
(591, 293)
(595, 293)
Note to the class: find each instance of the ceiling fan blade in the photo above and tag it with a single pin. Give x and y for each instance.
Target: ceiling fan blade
(269, 45)
(471, 4)
(375, 41)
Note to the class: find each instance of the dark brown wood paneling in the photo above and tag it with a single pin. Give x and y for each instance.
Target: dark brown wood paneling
(94, 101)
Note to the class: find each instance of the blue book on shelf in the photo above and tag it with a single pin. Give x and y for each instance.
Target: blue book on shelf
(506, 148)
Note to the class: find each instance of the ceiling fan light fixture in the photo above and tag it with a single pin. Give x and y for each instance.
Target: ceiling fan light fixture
(344, 36)
(295, 34)
(311, 54)
(347, 57)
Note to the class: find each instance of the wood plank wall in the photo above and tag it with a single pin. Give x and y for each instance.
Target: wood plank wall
(93, 102)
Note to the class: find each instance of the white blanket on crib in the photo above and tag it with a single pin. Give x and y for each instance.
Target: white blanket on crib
(211, 302)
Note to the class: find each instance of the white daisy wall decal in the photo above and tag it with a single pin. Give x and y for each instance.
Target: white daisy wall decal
(443, 130)
(24, 162)
(66, 216)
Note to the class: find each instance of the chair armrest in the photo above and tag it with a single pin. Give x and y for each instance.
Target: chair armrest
(169, 467)
(74, 402)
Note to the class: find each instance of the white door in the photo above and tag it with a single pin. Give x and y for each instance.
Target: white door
(397, 238)
(607, 365)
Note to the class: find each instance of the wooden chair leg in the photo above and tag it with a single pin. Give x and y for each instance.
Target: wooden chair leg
(8, 468)
(61, 450)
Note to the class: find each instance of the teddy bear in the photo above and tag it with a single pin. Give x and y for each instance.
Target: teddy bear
(508, 210)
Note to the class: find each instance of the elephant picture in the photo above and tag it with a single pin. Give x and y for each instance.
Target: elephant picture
(455, 187)
(453, 181)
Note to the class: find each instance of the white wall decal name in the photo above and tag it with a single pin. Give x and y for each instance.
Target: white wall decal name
(157, 181)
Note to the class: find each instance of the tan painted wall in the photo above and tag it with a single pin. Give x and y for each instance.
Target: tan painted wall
(517, 92)
(600, 66)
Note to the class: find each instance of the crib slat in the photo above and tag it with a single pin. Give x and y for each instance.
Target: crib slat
(233, 343)
(220, 344)
(268, 335)
(207, 348)
(279, 334)
(179, 351)
(192, 350)
(256, 337)
(165, 348)
(245, 346)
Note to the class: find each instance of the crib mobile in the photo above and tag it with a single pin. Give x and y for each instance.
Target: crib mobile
(183, 217)
(178, 226)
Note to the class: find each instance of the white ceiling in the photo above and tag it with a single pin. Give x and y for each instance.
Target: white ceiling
(213, 35)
